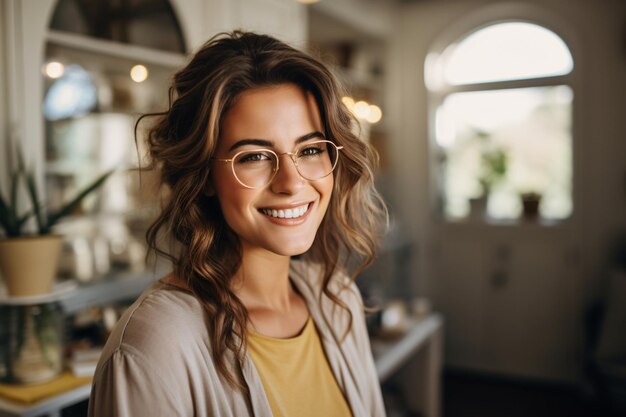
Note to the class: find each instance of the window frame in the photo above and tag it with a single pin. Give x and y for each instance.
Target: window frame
(436, 94)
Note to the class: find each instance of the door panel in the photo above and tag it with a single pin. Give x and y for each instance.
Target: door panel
(460, 299)
(510, 300)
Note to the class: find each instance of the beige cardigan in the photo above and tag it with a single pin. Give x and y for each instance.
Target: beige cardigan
(157, 361)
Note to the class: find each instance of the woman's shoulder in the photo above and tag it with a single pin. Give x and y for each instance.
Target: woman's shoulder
(158, 361)
(163, 320)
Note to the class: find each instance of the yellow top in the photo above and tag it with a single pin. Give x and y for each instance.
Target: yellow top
(296, 376)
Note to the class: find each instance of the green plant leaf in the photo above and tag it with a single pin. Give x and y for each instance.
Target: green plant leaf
(34, 199)
(20, 221)
(15, 180)
(68, 207)
(7, 219)
(8, 209)
(31, 188)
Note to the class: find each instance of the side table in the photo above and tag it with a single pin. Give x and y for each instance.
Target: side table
(417, 358)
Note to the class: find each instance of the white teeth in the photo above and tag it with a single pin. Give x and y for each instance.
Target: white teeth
(288, 213)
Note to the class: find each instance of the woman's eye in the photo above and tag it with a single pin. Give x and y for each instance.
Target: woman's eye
(253, 157)
(312, 151)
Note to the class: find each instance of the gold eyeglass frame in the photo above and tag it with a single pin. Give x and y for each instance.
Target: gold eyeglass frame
(292, 156)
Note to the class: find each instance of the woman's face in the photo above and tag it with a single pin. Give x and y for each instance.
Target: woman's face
(276, 118)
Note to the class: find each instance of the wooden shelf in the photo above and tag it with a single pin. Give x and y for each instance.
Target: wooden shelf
(49, 407)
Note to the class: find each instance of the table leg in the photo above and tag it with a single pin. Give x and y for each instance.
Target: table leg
(434, 351)
(421, 378)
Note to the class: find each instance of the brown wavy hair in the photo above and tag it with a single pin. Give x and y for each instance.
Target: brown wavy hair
(181, 142)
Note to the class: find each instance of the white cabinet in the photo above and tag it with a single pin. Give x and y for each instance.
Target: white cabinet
(511, 300)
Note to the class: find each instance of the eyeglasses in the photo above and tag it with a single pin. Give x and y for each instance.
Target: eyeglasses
(256, 168)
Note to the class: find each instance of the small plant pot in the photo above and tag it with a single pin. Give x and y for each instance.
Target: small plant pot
(478, 209)
(29, 264)
(530, 207)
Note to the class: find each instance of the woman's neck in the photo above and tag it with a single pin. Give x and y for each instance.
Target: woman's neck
(262, 281)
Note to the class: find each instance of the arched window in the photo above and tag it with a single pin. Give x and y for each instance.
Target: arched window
(502, 115)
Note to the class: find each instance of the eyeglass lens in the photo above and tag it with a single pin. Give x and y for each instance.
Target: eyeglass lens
(314, 161)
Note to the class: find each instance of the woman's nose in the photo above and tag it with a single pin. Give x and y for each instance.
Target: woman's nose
(287, 180)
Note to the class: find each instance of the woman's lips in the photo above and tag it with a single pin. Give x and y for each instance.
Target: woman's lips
(289, 216)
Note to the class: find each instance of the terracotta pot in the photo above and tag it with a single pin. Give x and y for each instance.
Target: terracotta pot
(29, 264)
(530, 207)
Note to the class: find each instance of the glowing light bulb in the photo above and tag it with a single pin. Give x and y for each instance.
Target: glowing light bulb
(375, 114)
(54, 69)
(139, 73)
(361, 109)
(348, 102)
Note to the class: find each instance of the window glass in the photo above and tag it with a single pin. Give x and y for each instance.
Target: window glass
(506, 51)
(504, 144)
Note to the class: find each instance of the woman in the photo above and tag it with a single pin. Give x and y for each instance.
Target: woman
(257, 152)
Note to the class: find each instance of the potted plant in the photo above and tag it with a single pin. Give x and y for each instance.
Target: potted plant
(28, 261)
(530, 204)
(493, 169)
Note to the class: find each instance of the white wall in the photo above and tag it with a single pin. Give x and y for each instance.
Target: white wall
(597, 34)
(201, 19)
(24, 25)
(373, 18)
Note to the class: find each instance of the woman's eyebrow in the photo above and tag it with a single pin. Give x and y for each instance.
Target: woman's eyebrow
(311, 135)
(258, 142)
(270, 144)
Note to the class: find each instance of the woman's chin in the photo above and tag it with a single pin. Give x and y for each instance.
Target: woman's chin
(293, 248)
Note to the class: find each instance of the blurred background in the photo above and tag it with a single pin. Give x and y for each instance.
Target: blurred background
(501, 131)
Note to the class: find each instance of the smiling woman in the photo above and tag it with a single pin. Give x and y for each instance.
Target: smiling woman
(285, 115)
(271, 198)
